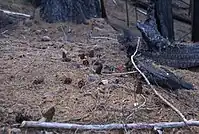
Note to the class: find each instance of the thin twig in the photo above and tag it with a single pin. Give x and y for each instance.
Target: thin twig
(114, 1)
(141, 105)
(108, 38)
(124, 73)
(141, 11)
(4, 32)
(152, 87)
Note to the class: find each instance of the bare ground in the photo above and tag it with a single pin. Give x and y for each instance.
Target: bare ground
(34, 77)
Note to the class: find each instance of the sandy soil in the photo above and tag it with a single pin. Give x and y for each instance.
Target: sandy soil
(34, 77)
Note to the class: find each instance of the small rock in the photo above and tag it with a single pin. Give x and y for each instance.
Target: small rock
(38, 32)
(15, 131)
(91, 53)
(105, 82)
(45, 38)
(38, 80)
(45, 30)
(81, 83)
(98, 69)
(10, 111)
(86, 62)
(28, 22)
(92, 77)
(67, 80)
(2, 109)
(66, 59)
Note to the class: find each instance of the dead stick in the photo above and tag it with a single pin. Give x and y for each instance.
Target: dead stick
(127, 13)
(124, 73)
(108, 38)
(15, 13)
(152, 87)
(55, 125)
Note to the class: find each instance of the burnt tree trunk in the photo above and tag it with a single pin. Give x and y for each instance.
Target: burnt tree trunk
(164, 20)
(195, 21)
(77, 11)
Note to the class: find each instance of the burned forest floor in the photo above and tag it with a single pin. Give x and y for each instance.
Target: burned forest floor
(34, 76)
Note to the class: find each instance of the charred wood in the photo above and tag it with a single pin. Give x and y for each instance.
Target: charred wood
(164, 20)
(177, 16)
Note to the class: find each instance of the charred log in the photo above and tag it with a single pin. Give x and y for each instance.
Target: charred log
(157, 50)
(161, 76)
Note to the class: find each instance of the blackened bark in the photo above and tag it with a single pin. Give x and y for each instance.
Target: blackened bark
(77, 11)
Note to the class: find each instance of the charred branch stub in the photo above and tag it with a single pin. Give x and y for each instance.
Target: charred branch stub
(77, 11)
(148, 28)
(35, 3)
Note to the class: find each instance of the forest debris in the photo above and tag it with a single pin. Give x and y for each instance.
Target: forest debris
(138, 87)
(66, 59)
(67, 80)
(48, 115)
(28, 23)
(85, 62)
(14, 131)
(38, 80)
(2, 109)
(64, 56)
(92, 77)
(81, 83)
(22, 117)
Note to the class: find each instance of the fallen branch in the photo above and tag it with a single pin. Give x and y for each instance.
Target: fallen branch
(152, 87)
(55, 125)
